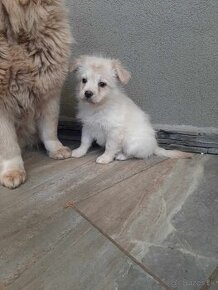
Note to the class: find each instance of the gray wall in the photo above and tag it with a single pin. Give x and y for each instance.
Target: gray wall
(170, 46)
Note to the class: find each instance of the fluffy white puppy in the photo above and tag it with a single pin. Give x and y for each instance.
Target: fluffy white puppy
(109, 117)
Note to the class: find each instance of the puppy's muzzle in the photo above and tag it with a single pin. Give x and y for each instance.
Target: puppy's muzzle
(88, 94)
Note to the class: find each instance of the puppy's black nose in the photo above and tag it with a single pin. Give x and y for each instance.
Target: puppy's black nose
(88, 94)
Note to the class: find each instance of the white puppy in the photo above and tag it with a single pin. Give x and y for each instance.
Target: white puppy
(110, 117)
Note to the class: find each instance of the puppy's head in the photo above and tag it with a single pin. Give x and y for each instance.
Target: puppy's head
(98, 77)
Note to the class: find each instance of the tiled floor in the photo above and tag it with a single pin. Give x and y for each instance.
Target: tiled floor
(130, 225)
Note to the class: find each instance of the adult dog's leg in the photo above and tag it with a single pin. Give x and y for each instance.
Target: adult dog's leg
(12, 172)
(47, 124)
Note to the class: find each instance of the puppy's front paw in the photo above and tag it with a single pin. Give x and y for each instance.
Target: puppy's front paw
(121, 157)
(13, 178)
(62, 153)
(77, 153)
(104, 159)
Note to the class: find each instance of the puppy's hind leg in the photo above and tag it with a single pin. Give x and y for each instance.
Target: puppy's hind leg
(12, 172)
(122, 157)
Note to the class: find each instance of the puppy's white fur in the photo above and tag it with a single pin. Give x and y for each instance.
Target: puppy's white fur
(110, 117)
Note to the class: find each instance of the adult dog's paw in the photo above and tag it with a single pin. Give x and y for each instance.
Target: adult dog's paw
(62, 153)
(13, 178)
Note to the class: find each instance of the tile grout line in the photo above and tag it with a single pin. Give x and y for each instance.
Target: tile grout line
(125, 252)
(120, 181)
(210, 280)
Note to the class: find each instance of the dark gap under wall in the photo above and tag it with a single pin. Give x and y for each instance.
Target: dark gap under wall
(186, 141)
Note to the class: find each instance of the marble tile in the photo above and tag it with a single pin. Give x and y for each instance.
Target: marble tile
(163, 213)
(196, 222)
(166, 218)
(43, 173)
(214, 286)
(135, 280)
(46, 246)
(69, 254)
(212, 281)
(52, 184)
(179, 269)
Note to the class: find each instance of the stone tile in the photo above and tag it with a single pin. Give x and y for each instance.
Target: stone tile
(69, 254)
(163, 212)
(179, 269)
(135, 280)
(214, 286)
(51, 184)
(165, 217)
(212, 281)
(44, 175)
(44, 246)
(194, 238)
(130, 209)
(196, 223)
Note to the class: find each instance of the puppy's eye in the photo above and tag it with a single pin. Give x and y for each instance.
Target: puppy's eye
(84, 80)
(102, 84)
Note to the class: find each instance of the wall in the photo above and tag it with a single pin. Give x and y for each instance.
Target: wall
(170, 46)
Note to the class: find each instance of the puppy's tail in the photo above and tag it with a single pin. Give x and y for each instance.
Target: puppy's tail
(172, 153)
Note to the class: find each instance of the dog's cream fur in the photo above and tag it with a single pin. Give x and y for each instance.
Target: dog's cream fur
(35, 48)
(110, 117)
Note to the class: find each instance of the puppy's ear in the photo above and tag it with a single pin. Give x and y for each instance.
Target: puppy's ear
(122, 74)
(75, 64)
